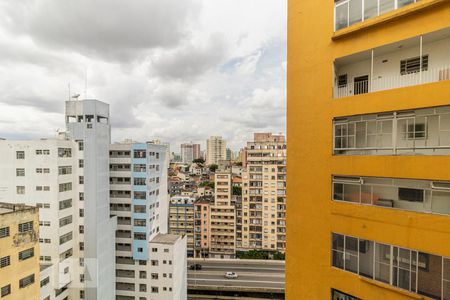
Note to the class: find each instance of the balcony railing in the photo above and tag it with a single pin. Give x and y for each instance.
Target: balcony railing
(392, 82)
(409, 62)
(349, 12)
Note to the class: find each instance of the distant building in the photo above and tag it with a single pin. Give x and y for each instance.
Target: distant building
(216, 150)
(202, 232)
(264, 194)
(189, 152)
(222, 218)
(19, 252)
(229, 155)
(181, 219)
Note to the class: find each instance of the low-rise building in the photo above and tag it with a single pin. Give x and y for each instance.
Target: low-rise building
(19, 252)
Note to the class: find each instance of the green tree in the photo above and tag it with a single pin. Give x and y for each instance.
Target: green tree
(237, 190)
(213, 167)
(199, 161)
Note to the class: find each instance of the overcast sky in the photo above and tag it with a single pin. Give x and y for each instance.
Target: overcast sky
(176, 70)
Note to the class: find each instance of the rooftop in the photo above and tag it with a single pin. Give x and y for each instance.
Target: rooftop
(168, 239)
(6, 208)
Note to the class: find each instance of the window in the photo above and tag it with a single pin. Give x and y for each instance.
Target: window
(20, 154)
(139, 181)
(24, 282)
(81, 212)
(20, 172)
(5, 261)
(65, 204)
(81, 294)
(64, 152)
(65, 238)
(139, 154)
(412, 65)
(64, 187)
(81, 229)
(142, 287)
(4, 232)
(154, 250)
(20, 190)
(81, 163)
(81, 196)
(25, 227)
(140, 222)
(25, 254)
(45, 281)
(154, 289)
(154, 262)
(65, 221)
(338, 295)
(6, 290)
(64, 170)
(404, 268)
(80, 145)
(81, 179)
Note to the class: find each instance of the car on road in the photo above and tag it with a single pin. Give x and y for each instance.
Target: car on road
(195, 267)
(231, 275)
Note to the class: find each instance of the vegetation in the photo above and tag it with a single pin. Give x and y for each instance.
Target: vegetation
(260, 254)
(237, 190)
(213, 167)
(199, 161)
(207, 183)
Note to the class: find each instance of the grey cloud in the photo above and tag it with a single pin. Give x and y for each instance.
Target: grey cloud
(114, 29)
(190, 60)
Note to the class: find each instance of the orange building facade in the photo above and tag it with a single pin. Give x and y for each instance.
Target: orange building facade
(369, 143)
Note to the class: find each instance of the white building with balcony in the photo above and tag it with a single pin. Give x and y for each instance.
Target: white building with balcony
(140, 200)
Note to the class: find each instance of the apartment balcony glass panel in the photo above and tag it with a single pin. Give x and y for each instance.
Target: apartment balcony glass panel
(406, 194)
(417, 272)
(419, 60)
(349, 12)
(414, 132)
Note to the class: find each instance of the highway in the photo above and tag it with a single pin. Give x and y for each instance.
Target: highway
(253, 275)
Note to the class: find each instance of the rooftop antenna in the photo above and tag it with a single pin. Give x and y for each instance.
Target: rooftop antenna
(75, 96)
(69, 90)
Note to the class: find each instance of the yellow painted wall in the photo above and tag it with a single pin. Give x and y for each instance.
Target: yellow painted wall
(311, 215)
(10, 246)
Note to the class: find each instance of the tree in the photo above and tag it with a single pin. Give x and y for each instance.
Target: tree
(199, 161)
(237, 190)
(207, 183)
(213, 167)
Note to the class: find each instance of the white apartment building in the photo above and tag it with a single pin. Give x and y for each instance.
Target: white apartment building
(140, 200)
(67, 178)
(189, 152)
(216, 150)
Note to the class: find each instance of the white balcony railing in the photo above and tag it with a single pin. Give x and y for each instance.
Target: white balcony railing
(392, 82)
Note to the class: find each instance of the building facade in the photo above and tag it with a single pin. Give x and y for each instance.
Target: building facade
(67, 178)
(189, 152)
(369, 146)
(181, 219)
(139, 199)
(19, 252)
(216, 150)
(222, 218)
(202, 232)
(263, 216)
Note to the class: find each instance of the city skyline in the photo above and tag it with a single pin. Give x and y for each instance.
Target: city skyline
(164, 83)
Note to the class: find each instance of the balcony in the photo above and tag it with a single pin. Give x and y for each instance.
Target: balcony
(416, 132)
(415, 61)
(349, 12)
(405, 194)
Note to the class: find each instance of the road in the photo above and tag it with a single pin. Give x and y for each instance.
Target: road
(253, 275)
